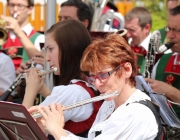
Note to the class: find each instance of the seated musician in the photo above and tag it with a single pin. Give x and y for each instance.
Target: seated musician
(65, 43)
(111, 67)
(166, 72)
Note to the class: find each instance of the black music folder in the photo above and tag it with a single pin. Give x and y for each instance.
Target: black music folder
(17, 124)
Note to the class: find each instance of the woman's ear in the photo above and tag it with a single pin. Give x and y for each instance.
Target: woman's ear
(86, 23)
(127, 69)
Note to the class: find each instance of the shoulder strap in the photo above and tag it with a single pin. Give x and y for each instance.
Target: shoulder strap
(155, 109)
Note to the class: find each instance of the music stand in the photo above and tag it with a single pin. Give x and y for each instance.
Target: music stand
(17, 124)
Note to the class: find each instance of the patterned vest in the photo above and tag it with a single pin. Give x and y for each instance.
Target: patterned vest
(168, 72)
(140, 57)
(14, 49)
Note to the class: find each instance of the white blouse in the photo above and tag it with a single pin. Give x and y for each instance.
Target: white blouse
(70, 94)
(128, 122)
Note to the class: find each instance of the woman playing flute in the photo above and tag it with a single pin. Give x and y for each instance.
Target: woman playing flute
(65, 43)
(111, 66)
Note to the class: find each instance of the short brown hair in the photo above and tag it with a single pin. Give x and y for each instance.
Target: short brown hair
(142, 14)
(112, 50)
(30, 2)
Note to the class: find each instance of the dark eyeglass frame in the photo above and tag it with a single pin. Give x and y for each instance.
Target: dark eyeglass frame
(19, 6)
(174, 30)
(102, 76)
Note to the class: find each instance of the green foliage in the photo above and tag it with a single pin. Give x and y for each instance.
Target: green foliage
(158, 22)
(157, 9)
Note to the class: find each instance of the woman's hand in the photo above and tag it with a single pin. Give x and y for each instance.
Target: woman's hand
(34, 83)
(53, 120)
(39, 121)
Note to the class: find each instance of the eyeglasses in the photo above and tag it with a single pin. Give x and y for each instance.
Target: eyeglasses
(102, 76)
(174, 30)
(19, 6)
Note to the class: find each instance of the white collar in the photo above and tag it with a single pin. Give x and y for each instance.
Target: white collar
(145, 42)
(27, 29)
(176, 54)
(87, 84)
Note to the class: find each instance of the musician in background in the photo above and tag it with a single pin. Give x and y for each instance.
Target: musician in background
(170, 4)
(166, 72)
(78, 10)
(71, 9)
(7, 72)
(19, 26)
(138, 23)
(111, 67)
(65, 43)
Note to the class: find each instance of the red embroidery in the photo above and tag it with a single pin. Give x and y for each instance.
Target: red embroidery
(171, 68)
(12, 51)
(170, 79)
(139, 50)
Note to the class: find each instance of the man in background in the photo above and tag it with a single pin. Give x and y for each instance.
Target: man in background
(166, 72)
(78, 10)
(19, 27)
(138, 23)
(170, 4)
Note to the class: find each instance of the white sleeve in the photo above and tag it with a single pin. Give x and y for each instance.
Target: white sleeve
(7, 72)
(67, 95)
(135, 122)
(72, 137)
(39, 39)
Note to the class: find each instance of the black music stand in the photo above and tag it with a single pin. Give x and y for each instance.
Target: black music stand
(17, 124)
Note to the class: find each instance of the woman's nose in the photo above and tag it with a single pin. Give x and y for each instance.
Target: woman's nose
(97, 83)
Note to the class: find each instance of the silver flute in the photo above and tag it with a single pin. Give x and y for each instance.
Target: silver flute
(19, 79)
(41, 72)
(83, 102)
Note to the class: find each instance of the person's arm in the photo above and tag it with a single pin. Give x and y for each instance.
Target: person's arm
(45, 91)
(67, 95)
(34, 84)
(13, 25)
(7, 73)
(163, 88)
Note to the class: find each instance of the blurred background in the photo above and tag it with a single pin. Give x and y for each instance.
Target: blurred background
(156, 7)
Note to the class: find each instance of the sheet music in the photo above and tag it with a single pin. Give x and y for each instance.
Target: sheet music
(166, 112)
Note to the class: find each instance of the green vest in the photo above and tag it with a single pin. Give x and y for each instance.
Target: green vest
(161, 75)
(141, 62)
(163, 35)
(32, 39)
